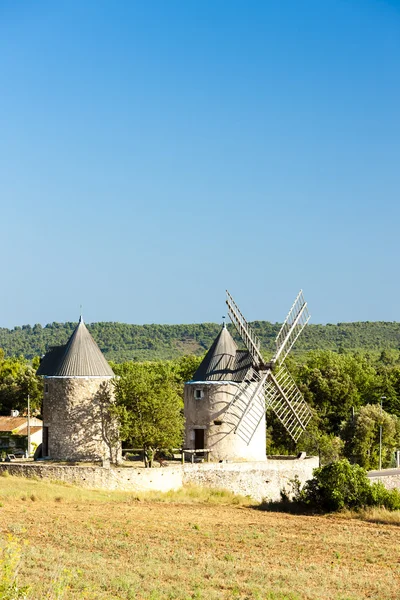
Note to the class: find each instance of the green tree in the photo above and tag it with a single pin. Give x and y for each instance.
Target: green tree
(335, 383)
(389, 386)
(185, 367)
(109, 421)
(149, 407)
(17, 380)
(316, 442)
(361, 436)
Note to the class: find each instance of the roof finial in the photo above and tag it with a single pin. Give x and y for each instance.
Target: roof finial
(223, 322)
(80, 314)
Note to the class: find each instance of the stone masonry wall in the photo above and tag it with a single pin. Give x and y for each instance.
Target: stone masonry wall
(124, 479)
(78, 426)
(390, 481)
(259, 479)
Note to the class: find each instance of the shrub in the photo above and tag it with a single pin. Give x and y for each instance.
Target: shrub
(336, 486)
(380, 496)
(392, 500)
(342, 485)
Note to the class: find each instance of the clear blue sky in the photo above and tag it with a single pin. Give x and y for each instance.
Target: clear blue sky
(154, 153)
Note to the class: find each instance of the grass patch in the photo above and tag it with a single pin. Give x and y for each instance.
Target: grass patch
(57, 491)
(192, 494)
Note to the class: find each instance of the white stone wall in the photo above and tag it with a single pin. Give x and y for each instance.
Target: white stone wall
(207, 411)
(36, 439)
(390, 481)
(259, 480)
(122, 479)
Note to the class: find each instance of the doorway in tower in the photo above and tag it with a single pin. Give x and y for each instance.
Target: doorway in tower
(199, 439)
(45, 441)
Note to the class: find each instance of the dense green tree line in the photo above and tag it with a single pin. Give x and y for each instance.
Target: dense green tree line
(122, 342)
(344, 390)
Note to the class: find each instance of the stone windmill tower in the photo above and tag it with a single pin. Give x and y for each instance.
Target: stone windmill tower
(207, 398)
(226, 400)
(77, 392)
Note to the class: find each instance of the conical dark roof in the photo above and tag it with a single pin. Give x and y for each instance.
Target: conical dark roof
(80, 357)
(223, 361)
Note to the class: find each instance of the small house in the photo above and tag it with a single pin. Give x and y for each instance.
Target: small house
(14, 434)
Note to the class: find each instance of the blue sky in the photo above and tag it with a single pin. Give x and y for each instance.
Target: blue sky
(153, 154)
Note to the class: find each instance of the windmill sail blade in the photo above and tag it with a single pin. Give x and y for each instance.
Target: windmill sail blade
(294, 324)
(249, 338)
(247, 407)
(287, 402)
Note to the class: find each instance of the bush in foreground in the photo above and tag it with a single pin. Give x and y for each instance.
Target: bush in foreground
(337, 486)
(342, 485)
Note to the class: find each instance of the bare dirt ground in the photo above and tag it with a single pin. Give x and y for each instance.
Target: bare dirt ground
(98, 545)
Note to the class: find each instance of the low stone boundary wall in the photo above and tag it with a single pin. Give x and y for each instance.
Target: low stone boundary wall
(259, 480)
(126, 479)
(390, 480)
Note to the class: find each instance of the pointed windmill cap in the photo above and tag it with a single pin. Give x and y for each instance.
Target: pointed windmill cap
(81, 357)
(218, 361)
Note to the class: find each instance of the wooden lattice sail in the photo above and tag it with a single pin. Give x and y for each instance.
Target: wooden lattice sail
(269, 385)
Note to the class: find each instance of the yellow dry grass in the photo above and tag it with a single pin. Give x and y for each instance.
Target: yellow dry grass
(195, 545)
(374, 515)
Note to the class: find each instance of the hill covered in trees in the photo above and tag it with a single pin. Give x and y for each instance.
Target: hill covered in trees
(121, 341)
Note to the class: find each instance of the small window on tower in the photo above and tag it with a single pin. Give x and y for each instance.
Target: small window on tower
(198, 394)
(46, 387)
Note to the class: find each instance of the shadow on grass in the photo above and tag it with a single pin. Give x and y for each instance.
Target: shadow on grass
(378, 515)
(287, 506)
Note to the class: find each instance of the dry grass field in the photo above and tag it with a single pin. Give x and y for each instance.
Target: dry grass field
(63, 542)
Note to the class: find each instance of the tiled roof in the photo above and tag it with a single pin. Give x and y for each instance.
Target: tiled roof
(34, 429)
(80, 357)
(223, 361)
(13, 423)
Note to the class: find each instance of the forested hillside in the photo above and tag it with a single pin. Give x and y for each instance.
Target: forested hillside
(121, 342)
